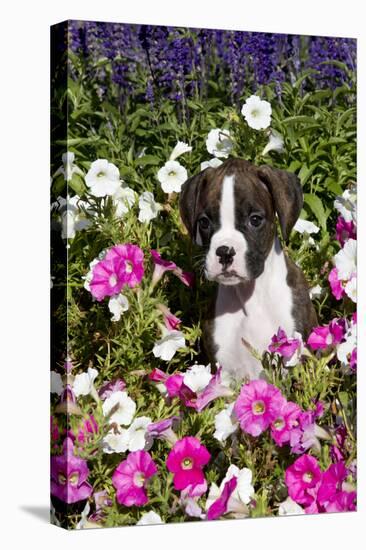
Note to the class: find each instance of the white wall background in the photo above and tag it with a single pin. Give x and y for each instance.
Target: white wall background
(24, 271)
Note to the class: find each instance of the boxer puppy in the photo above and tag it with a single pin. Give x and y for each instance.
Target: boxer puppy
(230, 212)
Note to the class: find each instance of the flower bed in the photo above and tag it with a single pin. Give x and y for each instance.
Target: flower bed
(153, 432)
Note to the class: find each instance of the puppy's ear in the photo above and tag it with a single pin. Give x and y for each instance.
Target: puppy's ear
(286, 191)
(189, 199)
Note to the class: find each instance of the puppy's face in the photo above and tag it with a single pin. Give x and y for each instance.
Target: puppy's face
(230, 212)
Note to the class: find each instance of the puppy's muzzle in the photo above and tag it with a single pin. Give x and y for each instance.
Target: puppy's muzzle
(226, 255)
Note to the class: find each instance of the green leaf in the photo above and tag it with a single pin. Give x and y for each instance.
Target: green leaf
(148, 160)
(316, 206)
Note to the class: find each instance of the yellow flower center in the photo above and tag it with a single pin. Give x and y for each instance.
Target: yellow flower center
(139, 479)
(129, 267)
(279, 423)
(171, 173)
(308, 477)
(112, 280)
(74, 478)
(100, 174)
(258, 407)
(187, 464)
(62, 479)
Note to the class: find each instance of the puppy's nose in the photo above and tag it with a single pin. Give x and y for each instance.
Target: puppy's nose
(225, 255)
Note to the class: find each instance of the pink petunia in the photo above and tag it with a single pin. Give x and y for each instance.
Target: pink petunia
(171, 321)
(131, 476)
(161, 266)
(303, 479)
(336, 285)
(327, 335)
(345, 230)
(108, 278)
(334, 494)
(214, 389)
(285, 421)
(283, 345)
(133, 262)
(220, 506)
(186, 461)
(110, 387)
(257, 406)
(304, 434)
(69, 475)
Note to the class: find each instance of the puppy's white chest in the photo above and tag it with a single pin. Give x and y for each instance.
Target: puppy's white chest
(253, 314)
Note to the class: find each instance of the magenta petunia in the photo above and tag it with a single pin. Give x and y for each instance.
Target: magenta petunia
(336, 284)
(283, 345)
(171, 321)
(214, 389)
(327, 335)
(131, 476)
(186, 461)
(286, 419)
(161, 266)
(303, 480)
(108, 278)
(334, 494)
(219, 507)
(257, 406)
(69, 475)
(132, 258)
(345, 230)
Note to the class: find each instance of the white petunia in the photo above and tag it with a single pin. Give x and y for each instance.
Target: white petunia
(304, 226)
(116, 442)
(242, 494)
(179, 150)
(219, 142)
(257, 112)
(118, 305)
(213, 163)
(166, 347)
(103, 178)
(290, 508)
(224, 423)
(149, 209)
(56, 383)
(68, 168)
(345, 260)
(137, 433)
(84, 383)
(275, 143)
(73, 215)
(123, 199)
(346, 204)
(316, 292)
(351, 289)
(345, 349)
(197, 377)
(121, 408)
(172, 176)
(150, 518)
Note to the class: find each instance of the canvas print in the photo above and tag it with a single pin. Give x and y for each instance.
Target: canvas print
(204, 287)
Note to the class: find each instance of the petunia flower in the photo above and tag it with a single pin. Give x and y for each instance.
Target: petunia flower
(304, 226)
(69, 475)
(123, 199)
(73, 212)
(68, 168)
(108, 277)
(169, 344)
(327, 335)
(186, 461)
(116, 440)
(149, 209)
(171, 321)
(350, 288)
(290, 508)
(345, 230)
(286, 419)
(110, 387)
(189, 500)
(84, 382)
(232, 496)
(335, 494)
(315, 292)
(257, 406)
(348, 346)
(275, 143)
(132, 258)
(303, 479)
(179, 150)
(118, 305)
(119, 408)
(219, 143)
(346, 204)
(131, 477)
(214, 389)
(257, 112)
(150, 518)
(283, 345)
(197, 377)
(137, 433)
(305, 433)
(172, 176)
(161, 266)
(163, 429)
(212, 163)
(225, 423)
(103, 178)
(345, 260)
(336, 284)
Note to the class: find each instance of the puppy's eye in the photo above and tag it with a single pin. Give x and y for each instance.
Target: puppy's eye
(255, 220)
(204, 222)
